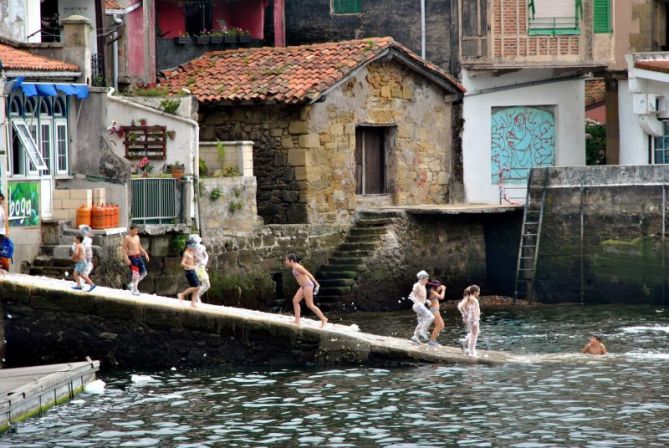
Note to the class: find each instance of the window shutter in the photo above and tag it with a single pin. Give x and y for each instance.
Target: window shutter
(346, 6)
(553, 14)
(602, 16)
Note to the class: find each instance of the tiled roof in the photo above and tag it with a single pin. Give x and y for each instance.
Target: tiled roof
(15, 59)
(112, 4)
(656, 65)
(289, 74)
(595, 91)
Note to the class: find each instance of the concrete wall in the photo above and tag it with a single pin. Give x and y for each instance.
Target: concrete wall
(227, 207)
(620, 252)
(27, 241)
(19, 18)
(84, 8)
(640, 25)
(486, 92)
(309, 21)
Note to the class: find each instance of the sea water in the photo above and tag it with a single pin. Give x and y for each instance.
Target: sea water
(557, 397)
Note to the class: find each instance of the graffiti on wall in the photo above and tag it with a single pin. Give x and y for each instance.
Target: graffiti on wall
(24, 204)
(523, 137)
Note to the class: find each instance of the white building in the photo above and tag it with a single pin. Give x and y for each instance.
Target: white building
(643, 104)
(524, 69)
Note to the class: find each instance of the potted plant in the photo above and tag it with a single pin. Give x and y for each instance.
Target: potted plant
(244, 36)
(230, 36)
(216, 37)
(183, 39)
(144, 167)
(203, 38)
(177, 170)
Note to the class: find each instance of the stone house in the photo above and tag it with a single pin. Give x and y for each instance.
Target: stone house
(334, 125)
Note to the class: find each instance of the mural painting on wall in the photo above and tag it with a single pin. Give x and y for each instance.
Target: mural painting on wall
(24, 204)
(523, 137)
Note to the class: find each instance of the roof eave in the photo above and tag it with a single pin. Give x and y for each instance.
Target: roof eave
(41, 74)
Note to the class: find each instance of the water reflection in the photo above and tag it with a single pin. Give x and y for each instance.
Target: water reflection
(619, 400)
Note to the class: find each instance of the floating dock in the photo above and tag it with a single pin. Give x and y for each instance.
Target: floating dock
(28, 391)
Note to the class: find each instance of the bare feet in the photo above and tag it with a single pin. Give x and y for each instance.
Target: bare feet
(193, 305)
(297, 322)
(324, 321)
(181, 298)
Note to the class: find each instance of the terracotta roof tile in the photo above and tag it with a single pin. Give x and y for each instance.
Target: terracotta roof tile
(15, 59)
(112, 4)
(595, 91)
(287, 74)
(656, 65)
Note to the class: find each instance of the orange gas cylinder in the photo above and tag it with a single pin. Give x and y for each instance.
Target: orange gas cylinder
(97, 217)
(83, 215)
(108, 216)
(117, 215)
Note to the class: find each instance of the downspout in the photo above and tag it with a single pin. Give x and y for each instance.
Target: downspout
(194, 149)
(422, 29)
(117, 20)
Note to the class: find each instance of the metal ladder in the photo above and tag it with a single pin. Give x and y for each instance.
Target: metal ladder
(530, 234)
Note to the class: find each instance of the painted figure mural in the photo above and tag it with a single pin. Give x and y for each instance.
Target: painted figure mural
(523, 137)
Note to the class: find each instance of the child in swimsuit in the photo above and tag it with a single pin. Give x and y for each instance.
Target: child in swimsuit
(471, 314)
(308, 286)
(436, 292)
(419, 298)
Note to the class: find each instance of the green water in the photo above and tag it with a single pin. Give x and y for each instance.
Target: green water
(618, 400)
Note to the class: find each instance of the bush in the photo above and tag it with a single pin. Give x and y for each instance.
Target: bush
(595, 143)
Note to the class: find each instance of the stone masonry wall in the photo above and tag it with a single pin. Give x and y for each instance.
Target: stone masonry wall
(276, 139)
(623, 253)
(418, 142)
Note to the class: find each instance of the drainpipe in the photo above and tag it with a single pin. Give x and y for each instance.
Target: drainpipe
(194, 149)
(422, 29)
(117, 20)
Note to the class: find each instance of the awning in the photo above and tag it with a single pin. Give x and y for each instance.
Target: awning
(51, 89)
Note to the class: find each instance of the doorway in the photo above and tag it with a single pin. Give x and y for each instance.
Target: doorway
(370, 160)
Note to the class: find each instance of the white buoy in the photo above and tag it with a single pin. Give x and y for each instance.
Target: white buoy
(141, 379)
(96, 387)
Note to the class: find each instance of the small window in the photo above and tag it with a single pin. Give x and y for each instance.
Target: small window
(346, 6)
(61, 147)
(554, 17)
(29, 146)
(661, 146)
(602, 16)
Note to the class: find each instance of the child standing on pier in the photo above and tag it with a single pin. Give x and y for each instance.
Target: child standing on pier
(80, 265)
(471, 314)
(419, 298)
(133, 252)
(308, 287)
(190, 265)
(201, 260)
(435, 294)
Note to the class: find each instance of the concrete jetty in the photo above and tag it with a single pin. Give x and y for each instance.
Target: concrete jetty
(46, 319)
(28, 391)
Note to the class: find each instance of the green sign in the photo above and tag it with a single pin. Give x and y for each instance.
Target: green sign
(24, 204)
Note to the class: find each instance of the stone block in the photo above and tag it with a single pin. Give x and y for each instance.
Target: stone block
(297, 157)
(63, 215)
(57, 204)
(276, 132)
(172, 266)
(300, 173)
(309, 141)
(287, 143)
(298, 127)
(73, 204)
(160, 246)
(80, 195)
(385, 92)
(61, 194)
(297, 213)
(337, 129)
(290, 195)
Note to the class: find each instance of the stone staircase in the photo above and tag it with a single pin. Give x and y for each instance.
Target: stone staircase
(339, 276)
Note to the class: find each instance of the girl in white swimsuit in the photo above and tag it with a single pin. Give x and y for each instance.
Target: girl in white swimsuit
(471, 314)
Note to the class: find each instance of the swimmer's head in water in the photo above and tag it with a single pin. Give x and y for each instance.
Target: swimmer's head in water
(422, 275)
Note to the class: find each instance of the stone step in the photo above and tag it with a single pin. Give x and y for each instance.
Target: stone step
(335, 291)
(329, 283)
(343, 267)
(368, 231)
(373, 222)
(336, 275)
(362, 239)
(45, 260)
(376, 214)
(343, 259)
(60, 251)
(358, 246)
(352, 253)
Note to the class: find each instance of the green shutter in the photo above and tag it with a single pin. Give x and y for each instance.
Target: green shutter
(346, 6)
(602, 16)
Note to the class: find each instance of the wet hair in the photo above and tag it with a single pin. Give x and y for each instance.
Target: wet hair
(293, 258)
(79, 236)
(473, 289)
(599, 338)
(134, 226)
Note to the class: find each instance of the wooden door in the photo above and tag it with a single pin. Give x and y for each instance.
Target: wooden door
(370, 161)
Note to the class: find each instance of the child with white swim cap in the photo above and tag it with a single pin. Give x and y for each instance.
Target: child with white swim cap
(419, 298)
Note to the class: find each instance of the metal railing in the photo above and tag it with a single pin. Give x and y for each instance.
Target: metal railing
(155, 201)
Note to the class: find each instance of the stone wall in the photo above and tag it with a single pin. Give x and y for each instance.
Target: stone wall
(418, 141)
(603, 237)
(227, 207)
(459, 250)
(310, 21)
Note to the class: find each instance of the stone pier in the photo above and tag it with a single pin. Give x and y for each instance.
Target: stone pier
(46, 321)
